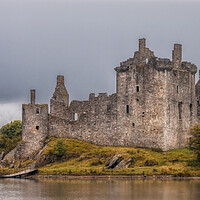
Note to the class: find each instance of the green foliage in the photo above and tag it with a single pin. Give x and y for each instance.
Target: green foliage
(12, 129)
(195, 139)
(10, 135)
(60, 148)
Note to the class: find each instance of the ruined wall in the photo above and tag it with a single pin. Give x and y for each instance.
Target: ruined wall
(60, 100)
(93, 120)
(35, 126)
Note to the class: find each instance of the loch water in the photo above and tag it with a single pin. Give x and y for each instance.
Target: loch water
(100, 189)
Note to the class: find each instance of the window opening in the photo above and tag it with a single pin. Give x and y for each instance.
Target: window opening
(37, 110)
(177, 88)
(127, 108)
(147, 60)
(180, 110)
(133, 124)
(190, 109)
(137, 78)
(108, 108)
(75, 116)
(166, 61)
(137, 99)
(137, 88)
(142, 114)
(23, 110)
(37, 127)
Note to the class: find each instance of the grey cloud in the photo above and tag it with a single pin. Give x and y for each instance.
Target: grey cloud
(84, 41)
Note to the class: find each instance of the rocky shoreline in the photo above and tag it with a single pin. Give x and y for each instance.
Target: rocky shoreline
(134, 177)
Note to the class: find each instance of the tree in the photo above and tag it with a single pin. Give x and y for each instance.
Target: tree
(60, 148)
(12, 129)
(10, 135)
(195, 139)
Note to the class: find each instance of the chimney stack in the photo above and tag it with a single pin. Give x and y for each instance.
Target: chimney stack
(142, 44)
(177, 53)
(32, 96)
(60, 79)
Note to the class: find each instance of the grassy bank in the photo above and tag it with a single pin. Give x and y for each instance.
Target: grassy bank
(83, 158)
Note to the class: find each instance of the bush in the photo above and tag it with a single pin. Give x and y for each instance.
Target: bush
(59, 149)
(194, 142)
(150, 163)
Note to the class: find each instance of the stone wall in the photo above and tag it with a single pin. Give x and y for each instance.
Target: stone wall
(88, 120)
(154, 106)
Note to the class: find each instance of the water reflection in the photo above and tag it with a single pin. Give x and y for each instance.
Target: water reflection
(106, 189)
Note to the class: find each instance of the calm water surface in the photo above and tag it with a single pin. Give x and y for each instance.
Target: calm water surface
(107, 189)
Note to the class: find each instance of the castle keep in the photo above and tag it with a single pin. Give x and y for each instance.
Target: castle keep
(154, 106)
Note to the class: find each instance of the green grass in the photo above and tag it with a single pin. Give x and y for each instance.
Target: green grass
(83, 158)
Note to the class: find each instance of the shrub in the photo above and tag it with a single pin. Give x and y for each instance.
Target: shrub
(59, 149)
(194, 142)
(150, 163)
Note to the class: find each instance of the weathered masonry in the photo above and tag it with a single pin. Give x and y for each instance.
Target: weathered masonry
(154, 106)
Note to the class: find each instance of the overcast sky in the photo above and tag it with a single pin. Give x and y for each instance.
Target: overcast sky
(84, 40)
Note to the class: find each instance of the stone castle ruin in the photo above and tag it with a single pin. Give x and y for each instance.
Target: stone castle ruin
(154, 106)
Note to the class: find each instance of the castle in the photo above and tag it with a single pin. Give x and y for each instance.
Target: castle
(154, 106)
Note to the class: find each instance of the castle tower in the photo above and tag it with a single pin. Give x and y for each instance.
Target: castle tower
(60, 100)
(35, 125)
(156, 103)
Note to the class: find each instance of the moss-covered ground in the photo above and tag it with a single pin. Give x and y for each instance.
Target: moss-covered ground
(83, 158)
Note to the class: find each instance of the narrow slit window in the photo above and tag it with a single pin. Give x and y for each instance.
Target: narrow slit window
(190, 109)
(23, 110)
(37, 127)
(108, 108)
(37, 110)
(133, 124)
(137, 88)
(137, 78)
(147, 60)
(177, 88)
(75, 116)
(127, 108)
(180, 110)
